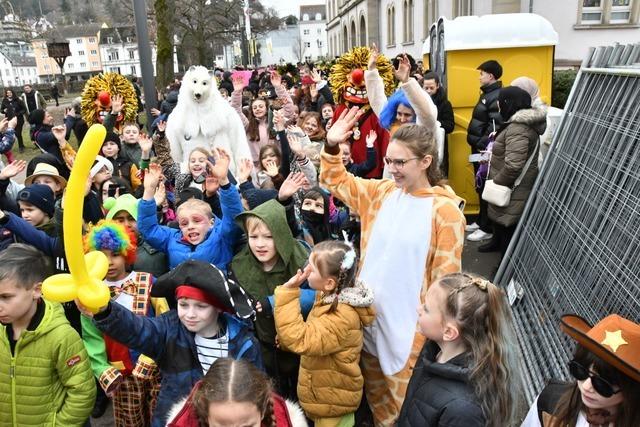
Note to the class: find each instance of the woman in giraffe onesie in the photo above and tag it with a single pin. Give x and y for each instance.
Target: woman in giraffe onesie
(412, 234)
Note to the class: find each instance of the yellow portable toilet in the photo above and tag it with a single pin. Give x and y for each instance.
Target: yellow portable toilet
(523, 43)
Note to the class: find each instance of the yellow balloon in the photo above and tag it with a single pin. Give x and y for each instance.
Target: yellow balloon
(86, 285)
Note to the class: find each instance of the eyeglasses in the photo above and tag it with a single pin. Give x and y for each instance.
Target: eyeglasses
(603, 387)
(398, 163)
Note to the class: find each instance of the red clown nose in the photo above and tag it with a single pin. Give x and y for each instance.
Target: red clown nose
(104, 97)
(357, 76)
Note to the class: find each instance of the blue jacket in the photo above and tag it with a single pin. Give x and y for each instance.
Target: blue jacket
(216, 248)
(173, 348)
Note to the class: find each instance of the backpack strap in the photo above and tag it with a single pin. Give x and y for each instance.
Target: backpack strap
(549, 397)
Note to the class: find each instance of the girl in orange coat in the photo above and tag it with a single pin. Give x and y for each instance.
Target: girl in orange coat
(330, 341)
(412, 234)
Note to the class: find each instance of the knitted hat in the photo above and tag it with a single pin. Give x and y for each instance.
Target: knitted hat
(112, 136)
(256, 197)
(39, 195)
(614, 339)
(48, 170)
(492, 67)
(126, 202)
(194, 279)
(36, 117)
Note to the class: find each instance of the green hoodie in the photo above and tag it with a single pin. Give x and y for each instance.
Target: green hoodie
(248, 270)
(47, 381)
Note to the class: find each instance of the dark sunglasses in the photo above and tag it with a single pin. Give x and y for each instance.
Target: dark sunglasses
(602, 386)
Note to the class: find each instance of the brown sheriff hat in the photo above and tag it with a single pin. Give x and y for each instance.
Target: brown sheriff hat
(614, 339)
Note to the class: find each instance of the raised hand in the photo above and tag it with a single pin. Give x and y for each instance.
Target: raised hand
(244, 170)
(152, 178)
(69, 112)
(162, 126)
(221, 168)
(238, 83)
(403, 71)
(59, 132)
(299, 278)
(342, 128)
(117, 104)
(13, 169)
(146, 143)
(276, 79)
(373, 58)
(155, 112)
(161, 194)
(315, 75)
(371, 138)
(293, 183)
(279, 120)
(295, 144)
(313, 91)
(271, 168)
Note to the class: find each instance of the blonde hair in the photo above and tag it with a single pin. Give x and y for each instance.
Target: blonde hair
(196, 205)
(202, 150)
(252, 222)
(421, 142)
(484, 320)
(128, 124)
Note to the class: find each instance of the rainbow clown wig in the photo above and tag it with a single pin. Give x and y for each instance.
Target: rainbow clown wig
(388, 113)
(108, 235)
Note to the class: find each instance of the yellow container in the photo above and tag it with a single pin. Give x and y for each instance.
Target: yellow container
(522, 43)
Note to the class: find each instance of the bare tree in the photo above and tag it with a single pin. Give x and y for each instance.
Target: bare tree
(298, 48)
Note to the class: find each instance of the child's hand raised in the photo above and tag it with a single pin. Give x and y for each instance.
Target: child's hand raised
(146, 143)
(371, 138)
(293, 183)
(152, 178)
(244, 170)
(271, 168)
(221, 168)
(300, 277)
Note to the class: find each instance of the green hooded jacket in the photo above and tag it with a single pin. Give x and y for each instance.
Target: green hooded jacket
(47, 381)
(248, 270)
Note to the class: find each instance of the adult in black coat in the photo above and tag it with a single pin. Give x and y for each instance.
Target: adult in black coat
(438, 94)
(486, 111)
(12, 106)
(485, 119)
(439, 394)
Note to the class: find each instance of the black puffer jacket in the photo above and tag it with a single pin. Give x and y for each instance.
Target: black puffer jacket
(439, 394)
(485, 111)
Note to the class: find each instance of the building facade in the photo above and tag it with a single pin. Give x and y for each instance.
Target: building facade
(404, 24)
(84, 60)
(17, 70)
(313, 32)
(279, 46)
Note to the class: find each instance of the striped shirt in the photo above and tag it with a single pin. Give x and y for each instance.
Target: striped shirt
(211, 349)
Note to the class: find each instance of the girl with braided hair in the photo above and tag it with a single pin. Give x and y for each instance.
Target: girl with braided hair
(235, 392)
(468, 372)
(330, 382)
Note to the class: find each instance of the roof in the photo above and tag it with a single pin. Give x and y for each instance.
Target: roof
(71, 31)
(494, 31)
(118, 35)
(312, 10)
(20, 61)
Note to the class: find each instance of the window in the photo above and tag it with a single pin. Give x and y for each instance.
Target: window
(133, 70)
(319, 31)
(92, 40)
(305, 32)
(307, 58)
(44, 55)
(430, 15)
(83, 65)
(46, 67)
(363, 32)
(110, 40)
(407, 21)
(318, 17)
(113, 55)
(81, 53)
(94, 52)
(505, 6)
(22, 71)
(607, 12)
(129, 39)
(305, 17)
(70, 66)
(391, 26)
(462, 8)
(78, 41)
(94, 64)
(132, 54)
(307, 44)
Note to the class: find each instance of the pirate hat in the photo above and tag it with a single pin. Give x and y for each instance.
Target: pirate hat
(614, 339)
(205, 282)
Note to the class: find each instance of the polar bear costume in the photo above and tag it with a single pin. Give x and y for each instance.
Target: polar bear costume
(202, 118)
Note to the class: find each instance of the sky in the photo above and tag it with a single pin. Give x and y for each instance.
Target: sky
(289, 7)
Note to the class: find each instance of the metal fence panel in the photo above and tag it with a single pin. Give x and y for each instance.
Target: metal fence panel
(577, 247)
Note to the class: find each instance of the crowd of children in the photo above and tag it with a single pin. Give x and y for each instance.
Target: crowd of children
(291, 293)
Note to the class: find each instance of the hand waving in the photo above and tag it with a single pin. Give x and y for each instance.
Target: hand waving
(373, 58)
(342, 128)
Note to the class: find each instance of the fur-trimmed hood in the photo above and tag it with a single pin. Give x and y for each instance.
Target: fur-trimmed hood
(535, 117)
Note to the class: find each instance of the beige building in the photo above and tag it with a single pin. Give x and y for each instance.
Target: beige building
(84, 60)
(403, 25)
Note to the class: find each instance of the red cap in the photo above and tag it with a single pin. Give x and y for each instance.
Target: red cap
(186, 291)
